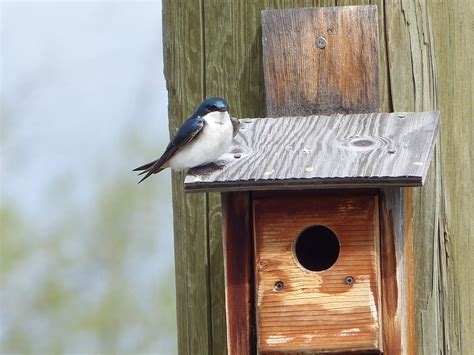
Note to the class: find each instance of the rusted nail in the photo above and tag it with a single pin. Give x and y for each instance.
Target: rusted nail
(321, 42)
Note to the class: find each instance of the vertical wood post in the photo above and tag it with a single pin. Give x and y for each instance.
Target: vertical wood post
(424, 53)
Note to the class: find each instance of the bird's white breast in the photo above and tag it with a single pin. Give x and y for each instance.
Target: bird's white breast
(213, 141)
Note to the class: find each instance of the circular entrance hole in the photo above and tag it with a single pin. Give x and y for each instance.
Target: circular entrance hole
(316, 248)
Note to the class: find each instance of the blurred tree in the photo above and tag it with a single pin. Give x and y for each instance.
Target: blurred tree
(86, 262)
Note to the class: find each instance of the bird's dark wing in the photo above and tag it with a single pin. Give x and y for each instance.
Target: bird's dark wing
(186, 133)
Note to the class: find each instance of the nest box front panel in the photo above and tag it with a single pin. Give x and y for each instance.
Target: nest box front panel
(317, 273)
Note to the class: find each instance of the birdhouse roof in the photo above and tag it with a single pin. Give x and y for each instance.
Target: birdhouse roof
(355, 150)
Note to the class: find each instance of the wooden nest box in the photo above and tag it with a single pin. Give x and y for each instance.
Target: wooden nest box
(316, 209)
(314, 242)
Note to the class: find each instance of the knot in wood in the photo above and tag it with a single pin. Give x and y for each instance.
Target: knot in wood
(263, 264)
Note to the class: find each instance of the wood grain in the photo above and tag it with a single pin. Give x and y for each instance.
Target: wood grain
(301, 79)
(317, 311)
(216, 275)
(428, 53)
(442, 55)
(184, 82)
(425, 50)
(319, 151)
(238, 262)
(397, 271)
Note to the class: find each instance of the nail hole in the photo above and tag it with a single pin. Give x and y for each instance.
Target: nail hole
(237, 156)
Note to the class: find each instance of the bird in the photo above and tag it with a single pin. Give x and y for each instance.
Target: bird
(202, 139)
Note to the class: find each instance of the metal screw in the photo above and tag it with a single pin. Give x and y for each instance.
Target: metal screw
(321, 42)
(349, 280)
(278, 286)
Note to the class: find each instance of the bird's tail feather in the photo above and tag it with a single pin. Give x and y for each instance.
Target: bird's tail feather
(145, 171)
(146, 166)
(153, 168)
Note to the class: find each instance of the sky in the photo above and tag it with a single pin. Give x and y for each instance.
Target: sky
(83, 102)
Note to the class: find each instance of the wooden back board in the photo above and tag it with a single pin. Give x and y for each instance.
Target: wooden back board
(321, 60)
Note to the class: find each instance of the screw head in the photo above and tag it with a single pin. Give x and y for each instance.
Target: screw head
(278, 286)
(321, 42)
(349, 280)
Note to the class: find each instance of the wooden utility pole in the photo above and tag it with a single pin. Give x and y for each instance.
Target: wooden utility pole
(214, 48)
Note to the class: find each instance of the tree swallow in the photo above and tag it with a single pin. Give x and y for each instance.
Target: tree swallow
(200, 140)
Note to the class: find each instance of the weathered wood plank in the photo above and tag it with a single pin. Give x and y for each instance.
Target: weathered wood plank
(216, 275)
(397, 271)
(340, 75)
(447, 302)
(238, 263)
(317, 311)
(343, 150)
(429, 51)
(183, 68)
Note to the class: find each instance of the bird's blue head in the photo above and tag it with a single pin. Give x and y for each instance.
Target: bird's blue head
(212, 104)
